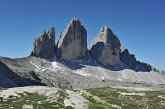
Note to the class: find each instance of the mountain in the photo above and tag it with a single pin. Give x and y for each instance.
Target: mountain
(44, 46)
(106, 47)
(68, 75)
(70, 64)
(73, 41)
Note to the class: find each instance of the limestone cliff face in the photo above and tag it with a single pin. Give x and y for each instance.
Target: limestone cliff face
(132, 63)
(44, 46)
(127, 58)
(106, 47)
(73, 41)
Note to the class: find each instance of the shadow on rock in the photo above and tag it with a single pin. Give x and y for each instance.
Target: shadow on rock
(10, 79)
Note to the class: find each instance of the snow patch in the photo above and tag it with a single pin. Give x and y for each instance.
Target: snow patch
(102, 78)
(120, 78)
(37, 67)
(53, 67)
(81, 72)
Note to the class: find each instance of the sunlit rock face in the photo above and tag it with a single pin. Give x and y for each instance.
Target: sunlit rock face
(44, 46)
(106, 47)
(73, 41)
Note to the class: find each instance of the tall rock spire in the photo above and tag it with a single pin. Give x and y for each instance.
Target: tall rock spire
(44, 46)
(106, 47)
(73, 41)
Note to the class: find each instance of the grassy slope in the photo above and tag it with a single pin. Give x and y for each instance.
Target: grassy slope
(112, 98)
(99, 98)
(38, 101)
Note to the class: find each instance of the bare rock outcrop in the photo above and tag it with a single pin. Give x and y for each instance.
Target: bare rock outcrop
(73, 41)
(127, 58)
(106, 47)
(9, 78)
(163, 71)
(44, 46)
(132, 63)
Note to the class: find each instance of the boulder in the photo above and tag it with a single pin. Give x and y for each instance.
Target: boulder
(72, 44)
(44, 46)
(106, 47)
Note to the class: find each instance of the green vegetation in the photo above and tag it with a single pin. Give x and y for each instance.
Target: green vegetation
(68, 107)
(112, 98)
(98, 98)
(36, 100)
(26, 98)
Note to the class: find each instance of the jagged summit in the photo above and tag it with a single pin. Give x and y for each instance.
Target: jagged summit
(75, 19)
(73, 23)
(106, 30)
(131, 61)
(44, 46)
(107, 36)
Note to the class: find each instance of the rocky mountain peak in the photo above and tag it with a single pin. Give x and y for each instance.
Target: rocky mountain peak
(130, 60)
(51, 33)
(106, 31)
(75, 19)
(106, 47)
(107, 36)
(73, 41)
(44, 46)
(74, 23)
(72, 45)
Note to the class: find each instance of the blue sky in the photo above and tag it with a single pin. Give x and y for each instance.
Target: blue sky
(139, 24)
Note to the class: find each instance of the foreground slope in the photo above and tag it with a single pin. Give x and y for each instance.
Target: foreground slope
(44, 97)
(41, 97)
